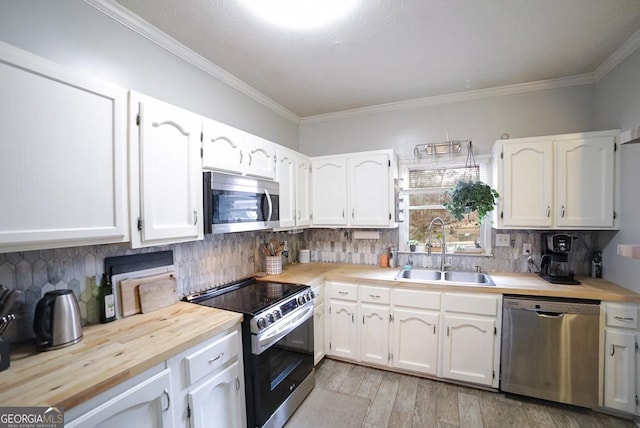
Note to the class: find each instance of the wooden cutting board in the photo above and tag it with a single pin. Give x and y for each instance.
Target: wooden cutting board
(129, 292)
(158, 294)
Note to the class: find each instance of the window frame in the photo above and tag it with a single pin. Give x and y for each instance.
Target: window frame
(483, 161)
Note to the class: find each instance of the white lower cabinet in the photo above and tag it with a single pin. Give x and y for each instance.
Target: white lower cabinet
(416, 314)
(147, 403)
(470, 337)
(343, 308)
(219, 399)
(449, 335)
(208, 383)
(374, 333)
(621, 357)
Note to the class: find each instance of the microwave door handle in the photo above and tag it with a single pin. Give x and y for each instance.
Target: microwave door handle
(267, 196)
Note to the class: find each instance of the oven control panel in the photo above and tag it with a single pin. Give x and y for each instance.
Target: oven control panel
(274, 314)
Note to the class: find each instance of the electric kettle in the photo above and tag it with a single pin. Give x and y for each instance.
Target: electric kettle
(57, 320)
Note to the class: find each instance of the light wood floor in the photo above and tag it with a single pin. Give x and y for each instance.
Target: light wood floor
(398, 400)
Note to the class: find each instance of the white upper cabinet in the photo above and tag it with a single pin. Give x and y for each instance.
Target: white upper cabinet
(166, 199)
(354, 189)
(370, 182)
(227, 149)
(62, 156)
(564, 181)
(222, 147)
(329, 178)
(527, 185)
(585, 182)
(293, 173)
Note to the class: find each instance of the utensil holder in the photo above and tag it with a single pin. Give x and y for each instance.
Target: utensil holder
(274, 265)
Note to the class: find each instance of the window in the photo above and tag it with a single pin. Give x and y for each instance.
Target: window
(424, 196)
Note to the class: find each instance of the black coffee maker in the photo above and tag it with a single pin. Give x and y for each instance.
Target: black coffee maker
(554, 267)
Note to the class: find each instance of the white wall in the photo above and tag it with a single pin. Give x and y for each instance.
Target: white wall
(74, 34)
(484, 120)
(617, 103)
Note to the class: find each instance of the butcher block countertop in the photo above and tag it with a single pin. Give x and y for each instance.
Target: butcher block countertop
(506, 283)
(107, 355)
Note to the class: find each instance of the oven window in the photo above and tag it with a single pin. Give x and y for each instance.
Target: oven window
(281, 368)
(236, 207)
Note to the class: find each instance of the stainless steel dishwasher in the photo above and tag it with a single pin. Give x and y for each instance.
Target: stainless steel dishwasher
(550, 349)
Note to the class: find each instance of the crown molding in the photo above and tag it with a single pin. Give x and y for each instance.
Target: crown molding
(520, 88)
(620, 54)
(127, 18)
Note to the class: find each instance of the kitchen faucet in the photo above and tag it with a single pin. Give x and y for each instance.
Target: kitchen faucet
(443, 241)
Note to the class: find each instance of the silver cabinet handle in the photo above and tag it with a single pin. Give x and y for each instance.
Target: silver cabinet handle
(352, 318)
(353, 213)
(434, 329)
(343, 213)
(166, 394)
(447, 330)
(195, 217)
(374, 296)
(250, 159)
(237, 383)
(344, 293)
(241, 157)
(613, 350)
(548, 211)
(623, 318)
(562, 212)
(214, 359)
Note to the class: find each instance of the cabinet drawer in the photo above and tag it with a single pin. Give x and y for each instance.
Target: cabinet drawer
(479, 304)
(619, 315)
(344, 291)
(212, 357)
(374, 294)
(417, 299)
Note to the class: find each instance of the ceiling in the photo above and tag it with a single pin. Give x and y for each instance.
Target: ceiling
(389, 51)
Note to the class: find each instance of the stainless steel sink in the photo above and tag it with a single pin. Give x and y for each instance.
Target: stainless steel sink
(420, 274)
(450, 277)
(468, 277)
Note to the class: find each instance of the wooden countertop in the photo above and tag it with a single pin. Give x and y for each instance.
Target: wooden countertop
(506, 283)
(107, 355)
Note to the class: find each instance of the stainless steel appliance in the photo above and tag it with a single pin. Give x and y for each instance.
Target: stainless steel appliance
(550, 349)
(238, 204)
(277, 337)
(554, 266)
(57, 320)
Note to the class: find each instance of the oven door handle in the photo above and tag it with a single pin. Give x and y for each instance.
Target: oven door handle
(264, 342)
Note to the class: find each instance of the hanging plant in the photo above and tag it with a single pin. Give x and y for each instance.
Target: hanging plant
(468, 196)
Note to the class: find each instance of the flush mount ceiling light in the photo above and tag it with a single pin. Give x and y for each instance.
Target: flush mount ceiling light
(300, 14)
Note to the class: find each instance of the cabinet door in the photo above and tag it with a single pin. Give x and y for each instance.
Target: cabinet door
(415, 340)
(62, 156)
(585, 182)
(318, 333)
(222, 147)
(342, 318)
(369, 190)
(170, 173)
(261, 157)
(374, 333)
(329, 177)
(303, 190)
(620, 371)
(219, 400)
(145, 405)
(527, 186)
(468, 349)
(286, 176)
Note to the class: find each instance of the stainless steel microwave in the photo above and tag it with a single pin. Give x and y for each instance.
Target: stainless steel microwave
(238, 204)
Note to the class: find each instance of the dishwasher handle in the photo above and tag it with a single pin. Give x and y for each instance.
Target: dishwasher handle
(545, 314)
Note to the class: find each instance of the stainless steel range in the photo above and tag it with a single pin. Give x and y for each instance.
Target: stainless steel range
(277, 336)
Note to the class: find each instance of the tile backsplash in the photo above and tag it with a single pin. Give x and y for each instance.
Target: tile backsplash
(220, 259)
